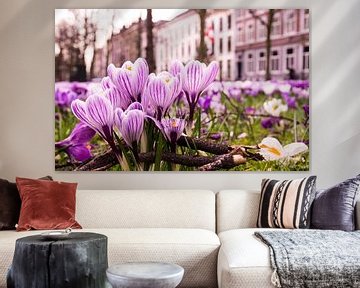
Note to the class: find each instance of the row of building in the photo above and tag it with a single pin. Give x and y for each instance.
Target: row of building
(236, 38)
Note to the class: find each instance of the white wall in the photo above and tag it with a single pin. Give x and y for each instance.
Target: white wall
(27, 86)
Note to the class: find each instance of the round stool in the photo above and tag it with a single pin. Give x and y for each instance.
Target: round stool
(145, 275)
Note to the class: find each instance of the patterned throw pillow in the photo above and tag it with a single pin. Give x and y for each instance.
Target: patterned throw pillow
(286, 204)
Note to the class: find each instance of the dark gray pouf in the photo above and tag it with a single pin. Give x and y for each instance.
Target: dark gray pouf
(79, 261)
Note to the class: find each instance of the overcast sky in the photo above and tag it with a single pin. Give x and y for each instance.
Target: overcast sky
(103, 18)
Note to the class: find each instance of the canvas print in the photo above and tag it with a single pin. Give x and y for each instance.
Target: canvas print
(182, 89)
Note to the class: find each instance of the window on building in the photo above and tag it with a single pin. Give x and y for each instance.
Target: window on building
(220, 45)
(221, 69)
(275, 61)
(242, 12)
(290, 22)
(306, 61)
(241, 34)
(229, 44)
(290, 58)
(182, 50)
(306, 19)
(221, 24)
(212, 47)
(229, 22)
(250, 33)
(262, 62)
(189, 50)
(261, 30)
(276, 26)
(250, 63)
(228, 69)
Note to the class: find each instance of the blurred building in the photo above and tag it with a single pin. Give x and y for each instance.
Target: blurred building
(180, 37)
(289, 56)
(221, 31)
(128, 44)
(235, 38)
(99, 62)
(177, 39)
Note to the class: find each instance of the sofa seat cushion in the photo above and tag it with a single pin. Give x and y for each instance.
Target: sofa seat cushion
(196, 250)
(244, 261)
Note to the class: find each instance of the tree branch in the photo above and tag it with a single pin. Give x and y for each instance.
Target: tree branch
(253, 13)
(225, 157)
(204, 145)
(226, 161)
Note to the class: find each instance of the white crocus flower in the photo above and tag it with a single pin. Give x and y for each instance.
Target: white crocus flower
(271, 149)
(274, 107)
(268, 88)
(284, 88)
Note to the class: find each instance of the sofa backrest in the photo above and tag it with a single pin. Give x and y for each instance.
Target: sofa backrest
(239, 209)
(146, 209)
(236, 209)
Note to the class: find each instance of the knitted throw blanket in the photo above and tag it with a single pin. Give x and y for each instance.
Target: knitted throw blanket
(313, 258)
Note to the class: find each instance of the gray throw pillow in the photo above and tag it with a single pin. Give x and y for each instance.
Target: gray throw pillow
(334, 208)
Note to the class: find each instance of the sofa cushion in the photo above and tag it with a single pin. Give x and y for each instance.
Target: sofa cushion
(10, 204)
(244, 261)
(334, 208)
(46, 204)
(236, 209)
(286, 204)
(146, 209)
(194, 249)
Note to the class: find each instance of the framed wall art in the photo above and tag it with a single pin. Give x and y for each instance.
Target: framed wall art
(182, 89)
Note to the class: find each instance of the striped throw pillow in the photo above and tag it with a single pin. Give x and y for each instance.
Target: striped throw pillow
(286, 204)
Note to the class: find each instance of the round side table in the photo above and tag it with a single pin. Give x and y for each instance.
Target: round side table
(78, 261)
(145, 275)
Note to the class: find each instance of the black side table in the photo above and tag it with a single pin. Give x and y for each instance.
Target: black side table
(79, 261)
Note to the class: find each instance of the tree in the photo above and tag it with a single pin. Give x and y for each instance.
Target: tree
(73, 40)
(202, 49)
(150, 44)
(268, 26)
(109, 41)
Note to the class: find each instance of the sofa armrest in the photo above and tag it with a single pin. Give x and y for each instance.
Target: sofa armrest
(357, 215)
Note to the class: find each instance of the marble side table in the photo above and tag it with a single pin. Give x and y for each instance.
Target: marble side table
(145, 275)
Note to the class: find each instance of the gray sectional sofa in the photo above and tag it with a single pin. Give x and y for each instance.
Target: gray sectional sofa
(210, 235)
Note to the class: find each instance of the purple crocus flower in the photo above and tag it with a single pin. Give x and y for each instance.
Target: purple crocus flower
(161, 91)
(172, 130)
(176, 67)
(98, 113)
(76, 145)
(250, 110)
(130, 124)
(64, 97)
(130, 78)
(306, 110)
(268, 123)
(196, 77)
(81, 89)
(205, 102)
(290, 101)
(117, 99)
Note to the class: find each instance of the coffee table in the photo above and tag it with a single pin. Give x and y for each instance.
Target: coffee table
(145, 275)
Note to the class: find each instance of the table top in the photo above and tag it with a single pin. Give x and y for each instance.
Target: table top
(73, 237)
(146, 270)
